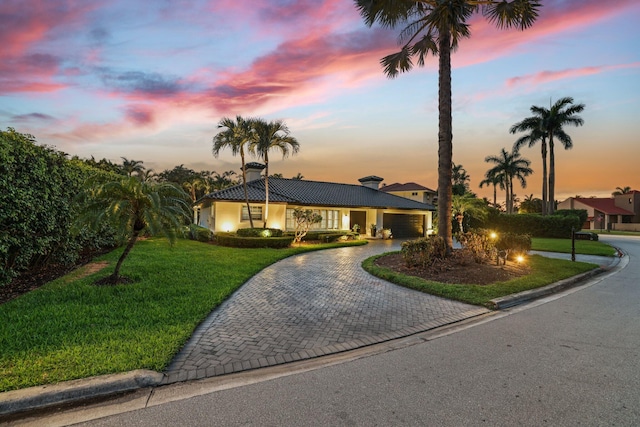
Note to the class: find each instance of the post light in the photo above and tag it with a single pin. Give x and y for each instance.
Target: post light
(493, 235)
(520, 259)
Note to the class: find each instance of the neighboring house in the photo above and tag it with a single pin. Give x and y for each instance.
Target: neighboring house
(621, 212)
(412, 191)
(341, 206)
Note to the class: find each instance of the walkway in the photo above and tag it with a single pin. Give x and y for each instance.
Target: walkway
(308, 306)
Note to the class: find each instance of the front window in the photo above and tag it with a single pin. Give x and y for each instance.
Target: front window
(330, 220)
(256, 213)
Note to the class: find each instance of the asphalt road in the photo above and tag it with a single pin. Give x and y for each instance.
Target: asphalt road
(570, 359)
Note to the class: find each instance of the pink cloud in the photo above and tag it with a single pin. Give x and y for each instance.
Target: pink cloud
(549, 76)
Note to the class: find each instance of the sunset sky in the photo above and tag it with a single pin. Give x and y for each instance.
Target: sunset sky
(150, 80)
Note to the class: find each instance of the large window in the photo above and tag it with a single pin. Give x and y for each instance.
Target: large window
(330, 220)
(256, 213)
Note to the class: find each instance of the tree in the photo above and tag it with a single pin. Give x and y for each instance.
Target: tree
(560, 114)
(192, 185)
(236, 135)
(530, 204)
(495, 180)
(266, 137)
(130, 167)
(509, 166)
(436, 27)
(219, 181)
(148, 175)
(460, 180)
(467, 204)
(536, 126)
(304, 219)
(298, 176)
(621, 190)
(133, 207)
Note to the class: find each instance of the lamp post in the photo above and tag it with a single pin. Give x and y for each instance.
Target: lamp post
(573, 244)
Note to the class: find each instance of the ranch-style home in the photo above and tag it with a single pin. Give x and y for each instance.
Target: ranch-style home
(341, 206)
(620, 212)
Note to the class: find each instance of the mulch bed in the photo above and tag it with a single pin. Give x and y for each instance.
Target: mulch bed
(452, 271)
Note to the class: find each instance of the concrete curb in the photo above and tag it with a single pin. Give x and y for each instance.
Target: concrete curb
(41, 397)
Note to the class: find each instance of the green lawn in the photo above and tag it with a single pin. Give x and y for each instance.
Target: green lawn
(72, 329)
(586, 247)
(544, 271)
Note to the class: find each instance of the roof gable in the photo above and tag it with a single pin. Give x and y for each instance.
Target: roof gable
(604, 205)
(409, 186)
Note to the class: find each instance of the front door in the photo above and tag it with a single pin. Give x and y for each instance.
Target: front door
(360, 218)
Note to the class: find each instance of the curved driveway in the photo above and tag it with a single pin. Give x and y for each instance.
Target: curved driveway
(307, 306)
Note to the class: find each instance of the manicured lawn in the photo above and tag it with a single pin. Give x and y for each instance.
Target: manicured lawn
(586, 247)
(72, 329)
(544, 271)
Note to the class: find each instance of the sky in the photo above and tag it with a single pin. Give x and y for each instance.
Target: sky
(150, 81)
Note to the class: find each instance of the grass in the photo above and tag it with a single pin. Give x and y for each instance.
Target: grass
(71, 329)
(544, 271)
(585, 247)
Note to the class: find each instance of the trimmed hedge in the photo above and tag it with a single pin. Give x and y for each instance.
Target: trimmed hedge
(327, 236)
(580, 213)
(233, 240)
(558, 226)
(259, 232)
(201, 234)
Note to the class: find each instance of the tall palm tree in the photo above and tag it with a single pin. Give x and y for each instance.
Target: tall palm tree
(495, 180)
(510, 165)
(562, 113)
(236, 135)
(132, 166)
(621, 190)
(536, 126)
(266, 137)
(132, 206)
(437, 26)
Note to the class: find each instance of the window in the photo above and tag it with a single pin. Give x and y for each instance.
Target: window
(256, 213)
(415, 193)
(330, 220)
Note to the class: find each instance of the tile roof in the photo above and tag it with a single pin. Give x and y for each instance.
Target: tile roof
(605, 205)
(315, 193)
(409, 186)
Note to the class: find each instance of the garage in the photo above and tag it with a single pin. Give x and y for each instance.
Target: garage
(404, 225)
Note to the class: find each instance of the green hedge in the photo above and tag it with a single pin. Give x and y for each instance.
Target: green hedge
(37, 206)
(233, 240)
(259, 232)
(558, 226)
(580, 213)
(201, 234)
(326, 236)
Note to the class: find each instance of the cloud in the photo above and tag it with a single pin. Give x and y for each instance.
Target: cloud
(31, 117)
(141, 83)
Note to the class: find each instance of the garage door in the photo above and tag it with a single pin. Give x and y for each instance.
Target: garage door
(404, 225)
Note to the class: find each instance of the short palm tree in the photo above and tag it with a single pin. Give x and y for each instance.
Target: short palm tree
(436, 27)
(268, 136)
(236, 135)
(467, 204)
(621, 190)
(460, 179)
(132, 207)
(510, 165)
(130, 167)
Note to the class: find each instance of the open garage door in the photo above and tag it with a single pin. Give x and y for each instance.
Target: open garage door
(404, 225)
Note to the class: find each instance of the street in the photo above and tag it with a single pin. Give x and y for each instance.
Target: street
(569, 359)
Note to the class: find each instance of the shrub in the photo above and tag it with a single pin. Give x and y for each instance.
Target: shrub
(424, 252)
(479, 245)
(580, 213)
(201, 234)
(512, 243)
(259, 232)
(233, 240)
(558, 226)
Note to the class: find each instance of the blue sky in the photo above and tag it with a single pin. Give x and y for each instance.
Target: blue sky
(150, 80)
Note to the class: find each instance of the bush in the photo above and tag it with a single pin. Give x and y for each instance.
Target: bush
(580, 213)
(479, 245)
(558, 226)
(201, 234)
(424, 252)
(512, 243)
(233, 240)
(259, 232)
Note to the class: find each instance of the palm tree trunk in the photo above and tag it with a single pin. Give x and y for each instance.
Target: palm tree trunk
(266, 188)
(552, 177)
(244, 184)
(543, 145)
(445, 139)
(495, 195)
(132, 241)
(507, 201)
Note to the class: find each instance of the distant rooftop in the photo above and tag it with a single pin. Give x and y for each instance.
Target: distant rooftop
(409, 186)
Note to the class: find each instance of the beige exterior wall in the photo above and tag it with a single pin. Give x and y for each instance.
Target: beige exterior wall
(421, 196)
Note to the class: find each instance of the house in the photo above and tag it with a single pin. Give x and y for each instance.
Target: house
(412, 191)
(341, 206)
(620, 212)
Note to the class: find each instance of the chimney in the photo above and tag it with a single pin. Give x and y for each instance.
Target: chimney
(253, 171)
(371, 181)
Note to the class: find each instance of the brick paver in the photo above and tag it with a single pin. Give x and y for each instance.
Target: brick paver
(308, 306)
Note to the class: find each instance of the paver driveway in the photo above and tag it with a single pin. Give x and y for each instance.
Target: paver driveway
(307, 306)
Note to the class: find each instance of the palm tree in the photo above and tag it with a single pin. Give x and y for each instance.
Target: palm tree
(536, 126)
(148, 175)
(437, 26)
(298, 176)
(192, 185)
(459, 179)
(268, 136)
(470, 205)
(131, 166)
(132, 206)
(510, 166)
(236, 135)
(621, 190)
(495, 180)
